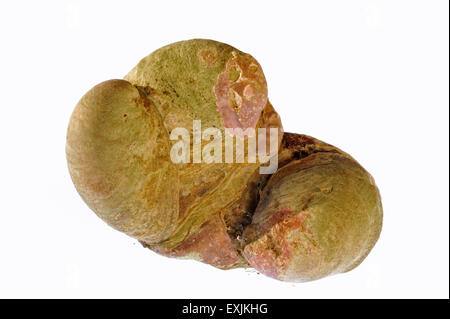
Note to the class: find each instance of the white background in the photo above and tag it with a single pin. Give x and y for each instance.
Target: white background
(368, 76)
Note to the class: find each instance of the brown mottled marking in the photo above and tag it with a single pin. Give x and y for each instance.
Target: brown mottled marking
(207, 57)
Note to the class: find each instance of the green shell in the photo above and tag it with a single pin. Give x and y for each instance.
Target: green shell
(118, 155)
(319, 215)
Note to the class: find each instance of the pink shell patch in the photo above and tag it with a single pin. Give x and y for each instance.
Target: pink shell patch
(265, 257)
(241, 92)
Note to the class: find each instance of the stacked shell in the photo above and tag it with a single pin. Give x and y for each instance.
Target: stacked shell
(318, 214)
